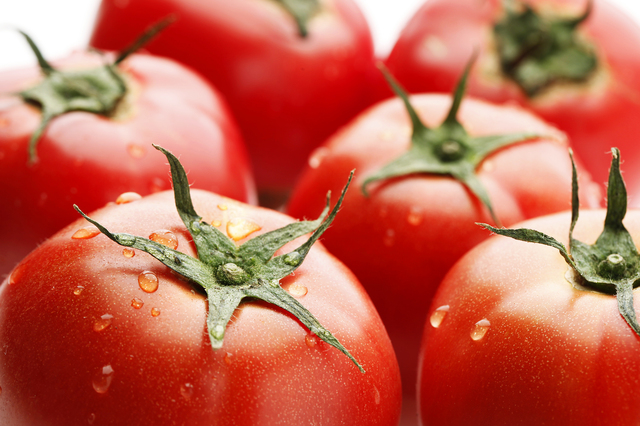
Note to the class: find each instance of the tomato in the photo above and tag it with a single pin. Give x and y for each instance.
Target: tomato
(403, 237)
(96, 333)
(516, 336)
(91, 159)
(596, 111)
(288, 92)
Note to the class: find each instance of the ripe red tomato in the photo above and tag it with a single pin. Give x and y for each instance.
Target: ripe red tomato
(515, 337)
(288, 92)
(401, 240)
(96, 333)
(91, 159)
(595, 112)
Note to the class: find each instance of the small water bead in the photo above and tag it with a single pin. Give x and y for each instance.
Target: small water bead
(311, 340)
(389, 238)
(148, 281)
(317, 157)
(155, 312)
(85, 233)
(102, 323)
(137, 303)
(78, 290)
(128, 197)
(17, 273)
(480, 329)
(103, 379)
(127, 252)
(438, 316)
(415, 216)
(376, 395)
(297, 290)
(228, 358)
(136, 151)
(165, 237)
(91, 418)
(186, 390)
(223, 207)
(216, 223)
(239, 228)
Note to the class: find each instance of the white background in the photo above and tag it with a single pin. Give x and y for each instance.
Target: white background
(59, 26)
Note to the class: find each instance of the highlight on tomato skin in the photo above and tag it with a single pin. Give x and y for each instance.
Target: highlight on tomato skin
(123, 338)
(288, 91)
(93, 158)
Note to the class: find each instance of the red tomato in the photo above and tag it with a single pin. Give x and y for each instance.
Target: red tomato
(88, 339)
(288, 92)
(401, 240)
(596, 114)
(520, 344)
(91, 159)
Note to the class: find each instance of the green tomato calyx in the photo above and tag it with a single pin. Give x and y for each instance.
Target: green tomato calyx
(229, 273)
(96, 90)
(612, 264)
(445, 150)
(537, 52)
(301, 11)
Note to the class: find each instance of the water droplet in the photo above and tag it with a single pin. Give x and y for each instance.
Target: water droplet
(136, 151)
(17, 273)
(186, 390)
(293, 258)
(311, 340)
(127, 252)
(297, 290)
(137, 303)
(91, 418)
(239, 228)
(376, 395)
(103, 322)
(222, 206)
(128, 197)
(157, 185)
(155, 312)
(228, 358)
(488, 166)
(438, 316)
(216, 223)
(103, 379)
(165, 237)
(389, 238)
(387, 135)
(415, 216)
(78, 290)
(435, 47)
(480, 329)
(148, 281)
(317, 157)
(85, 233)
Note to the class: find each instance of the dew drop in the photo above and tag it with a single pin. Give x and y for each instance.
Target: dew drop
(216, 223)
(415, 216)
(223, 207)
(311, 340)
(438, 316)
(91, 418)
(137, 303)
(155, 312)
(85, 233)
(165, 237)
(297, 290)
(136, 151)
(228, 358)
(103, 322)
(480, 329)
(127, 252)
(78, 290)
(148, 281)
(239, 228)
(376, 395)
(128, 197)
(103, 379)
(317, 157)
(157, 185)
(389, 238)
(186, 390)
(17, 273)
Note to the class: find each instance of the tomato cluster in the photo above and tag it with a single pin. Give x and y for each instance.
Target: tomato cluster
(136, 292)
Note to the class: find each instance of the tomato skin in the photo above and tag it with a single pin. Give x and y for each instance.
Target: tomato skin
(443, 34)
(270, 371)
(288, 93)
(403, 238)
(553, 354)
(90, 160)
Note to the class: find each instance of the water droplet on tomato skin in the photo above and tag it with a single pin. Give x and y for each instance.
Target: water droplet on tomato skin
(78, 290)
(376, 395)
(102, 323)
(414, 217)
(389, 238)
(17, 273)
(228, 358)
(480, 329)
(128, 197)
(186, 390)
(136, 151)
(148, 281)
(317, 157)
(85, 233)
(223, 207)
(165, 237)
(91, 418)
(311, 340)
(239, 228)
(137, 303)
(438, 316)
(297, 290)
(155, 312)
(103, 379)
(127, 252)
